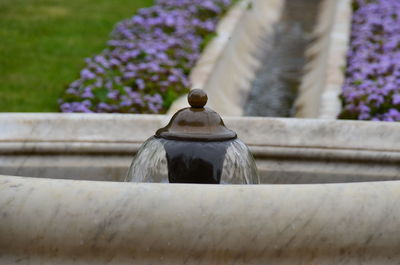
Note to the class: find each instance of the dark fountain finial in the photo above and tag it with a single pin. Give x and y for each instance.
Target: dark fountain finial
(198, 149)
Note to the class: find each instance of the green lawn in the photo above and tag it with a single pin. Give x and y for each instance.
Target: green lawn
(43, 44)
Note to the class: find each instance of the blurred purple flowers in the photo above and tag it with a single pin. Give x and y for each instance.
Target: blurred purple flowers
(372, 86)
(148, 59)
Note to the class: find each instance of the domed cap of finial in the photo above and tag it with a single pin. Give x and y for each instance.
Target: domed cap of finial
(196, 123)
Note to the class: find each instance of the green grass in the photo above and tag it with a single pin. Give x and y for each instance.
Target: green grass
(43, 44)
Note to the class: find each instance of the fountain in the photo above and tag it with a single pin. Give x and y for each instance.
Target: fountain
(195, 147)
(63, 199)
(44, 220)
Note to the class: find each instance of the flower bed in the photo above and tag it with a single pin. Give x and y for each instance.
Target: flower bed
(372, 87)
(148, 59)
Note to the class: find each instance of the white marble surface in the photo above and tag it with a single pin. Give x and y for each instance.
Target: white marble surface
(89, 129)
(323, 79)
(78, 222)
(101, 147)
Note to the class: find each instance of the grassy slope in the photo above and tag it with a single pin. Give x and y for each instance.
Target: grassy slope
(43, 44)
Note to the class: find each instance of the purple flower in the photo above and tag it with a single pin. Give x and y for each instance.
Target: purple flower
(148, 55)
(87, 94)
(372, 86)
(396, 99)
(103, 107)
(113, 94)
(87, 74)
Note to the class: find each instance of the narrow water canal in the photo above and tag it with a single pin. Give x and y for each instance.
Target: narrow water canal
(275, 86)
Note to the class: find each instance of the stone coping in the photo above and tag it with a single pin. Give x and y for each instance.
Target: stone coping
(323, 79)
(46, 221)
(101, 146)
(87, 129)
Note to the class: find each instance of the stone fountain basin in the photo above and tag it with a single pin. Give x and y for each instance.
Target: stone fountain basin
(48, 221)
(287, 151)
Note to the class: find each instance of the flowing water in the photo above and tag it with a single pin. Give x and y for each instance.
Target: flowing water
(275, 86)
(239, 162)
(160, 160)
(149, 164)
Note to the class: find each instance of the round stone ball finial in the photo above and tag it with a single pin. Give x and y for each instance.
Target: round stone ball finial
(197, 98)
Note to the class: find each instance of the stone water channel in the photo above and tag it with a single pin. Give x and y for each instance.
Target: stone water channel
(275, 86)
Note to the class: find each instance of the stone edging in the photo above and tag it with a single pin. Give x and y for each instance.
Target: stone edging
(322, 82)
(101, 146)
(228, 64)
(122, 129)
(45, 221)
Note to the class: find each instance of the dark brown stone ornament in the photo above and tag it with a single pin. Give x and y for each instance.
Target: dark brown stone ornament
(196, 123)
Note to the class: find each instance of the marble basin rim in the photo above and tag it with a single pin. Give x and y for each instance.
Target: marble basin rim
(287, 150)
(48, 221)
